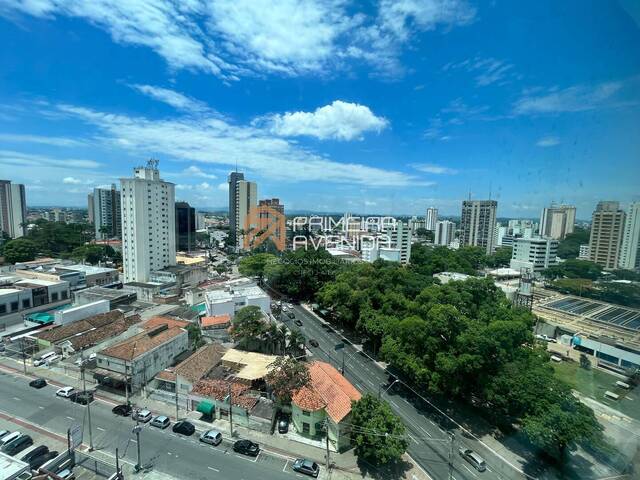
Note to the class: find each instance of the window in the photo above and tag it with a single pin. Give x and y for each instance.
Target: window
(3, 308)
(306, 428)
(26, 303)
(14, 306)
(306, 413)
(54, 297)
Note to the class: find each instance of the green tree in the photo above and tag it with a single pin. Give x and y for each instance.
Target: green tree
(20, 250)
(574, 268)
(286, 377)
(254, 265)
(94, 254)
(570, 246)
(195, 336)
(500, 258)
(248, 326)
(376, 433)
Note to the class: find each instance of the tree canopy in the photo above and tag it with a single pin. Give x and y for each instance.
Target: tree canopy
(569, 247)
(574, 268)
(376, 433)
(254, 265)
(20, 250)
(287, 376)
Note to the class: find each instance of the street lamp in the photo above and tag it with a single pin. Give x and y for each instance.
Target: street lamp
(386, 389)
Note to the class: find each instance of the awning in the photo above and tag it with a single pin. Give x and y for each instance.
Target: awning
(205, 407)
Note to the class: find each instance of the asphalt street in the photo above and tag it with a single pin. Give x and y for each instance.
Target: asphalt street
(161, 450)
(429, 444)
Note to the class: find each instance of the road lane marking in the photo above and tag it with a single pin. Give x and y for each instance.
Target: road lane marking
(214, 469)
(395, 404)
(134, 441)
(411, 437)
(70, 418)
(16, 399)
(469, 470)
(424, 431)
(41, 408)
(100, 428)
(284, 469)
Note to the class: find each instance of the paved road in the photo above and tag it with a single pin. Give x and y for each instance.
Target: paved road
(169, 453)
(429, 445)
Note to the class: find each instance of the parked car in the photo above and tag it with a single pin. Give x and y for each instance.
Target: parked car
(298, 322)
(473, 458)
(42, 360)
(53, 359)
(40, 460)
(142, 415)
(161, 421)
(9, 437)
(82, 398)
(65, 392)
(17, 445)
(4, 433)
(36, 452)
(123, 410)
(184, 428)
(66, 474)
(290, 314)
(283, 425)
(308, 467)
(212, 437)
(314, 343)
(38, 383)
(247, 447)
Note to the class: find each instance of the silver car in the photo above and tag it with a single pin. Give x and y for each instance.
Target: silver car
(212, 437)
(473, 458)
(161, 421)
(143, 416)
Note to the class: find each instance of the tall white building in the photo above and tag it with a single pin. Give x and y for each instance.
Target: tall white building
(534, 254)
(557, 221)
(431, 219)
(478, 224)
(13, 208)
(243, 195)
(630, 250)
(148, 223)
(400, 236)
(444, 232)
(107, 213)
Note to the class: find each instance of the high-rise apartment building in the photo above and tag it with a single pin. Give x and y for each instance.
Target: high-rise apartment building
(607, 224)
(243, 195)
(400, 237)
(431, 218)
(534, 254)
(107, 216)
(557, 221)
(13, 208)
(478, 224)
(90, 207)
(630, 249)
(148, 223)
(185, 227)
(444, 232)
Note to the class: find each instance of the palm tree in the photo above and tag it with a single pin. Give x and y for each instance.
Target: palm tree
(296, 342)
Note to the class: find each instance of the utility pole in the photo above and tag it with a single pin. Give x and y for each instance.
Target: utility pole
(136, 430)
(451, 457)
(326, 424)
(24, 355)
(176, 387)
(230, 411)
(84, 391)
(126, 381)
(118, 475)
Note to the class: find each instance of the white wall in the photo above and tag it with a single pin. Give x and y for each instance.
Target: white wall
(74, 314)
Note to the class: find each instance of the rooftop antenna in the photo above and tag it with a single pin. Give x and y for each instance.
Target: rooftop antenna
(489, 190)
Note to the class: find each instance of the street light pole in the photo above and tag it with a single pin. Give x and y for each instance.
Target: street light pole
(84, 391)
(453, 437)
(136, 430)
(230, 411)
(386, 389)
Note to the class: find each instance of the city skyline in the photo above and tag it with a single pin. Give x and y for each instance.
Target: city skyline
(418, 115)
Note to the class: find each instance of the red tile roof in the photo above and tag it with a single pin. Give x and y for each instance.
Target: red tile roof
(216, 321)
(219, 389)
(328, 389)
(139, 344)
(161, 320)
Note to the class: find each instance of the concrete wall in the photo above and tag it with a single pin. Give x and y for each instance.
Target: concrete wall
(74, 314)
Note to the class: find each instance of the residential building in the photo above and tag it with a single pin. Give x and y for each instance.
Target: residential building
(400, 236)
(584, 253)
(557, 221)
(444, 232)
(478, 223)
(19, 294)
(630, 250)
(13, 209)
(148, 223)
(185, 227)
(431, 218)
(534, 254)
(181, 275)
(136, 360)
(243, 196)
(607, 224)
(90, 204)
(233, 298)
(95, 276)
(268, 218)
(191, 370)
(107, 213)
(323, 407)
(372, 252)
(200, 221)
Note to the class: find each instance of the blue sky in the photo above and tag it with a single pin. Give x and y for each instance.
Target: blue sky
(370, 107)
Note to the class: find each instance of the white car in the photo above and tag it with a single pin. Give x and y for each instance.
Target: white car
(65, 392)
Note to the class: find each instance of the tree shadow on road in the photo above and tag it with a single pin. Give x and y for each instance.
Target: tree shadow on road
(394, 470)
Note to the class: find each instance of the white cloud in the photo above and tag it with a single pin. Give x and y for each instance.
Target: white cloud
(217, 141)
(339, 121)
(173, 98)
(232, 38)
(548, 142)
(487, 71)
(21, 159)
(223, 187)
(434, 169)
(578, 98)
(71, 180)
(198, 172)
(53, 141)
(204, 186)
